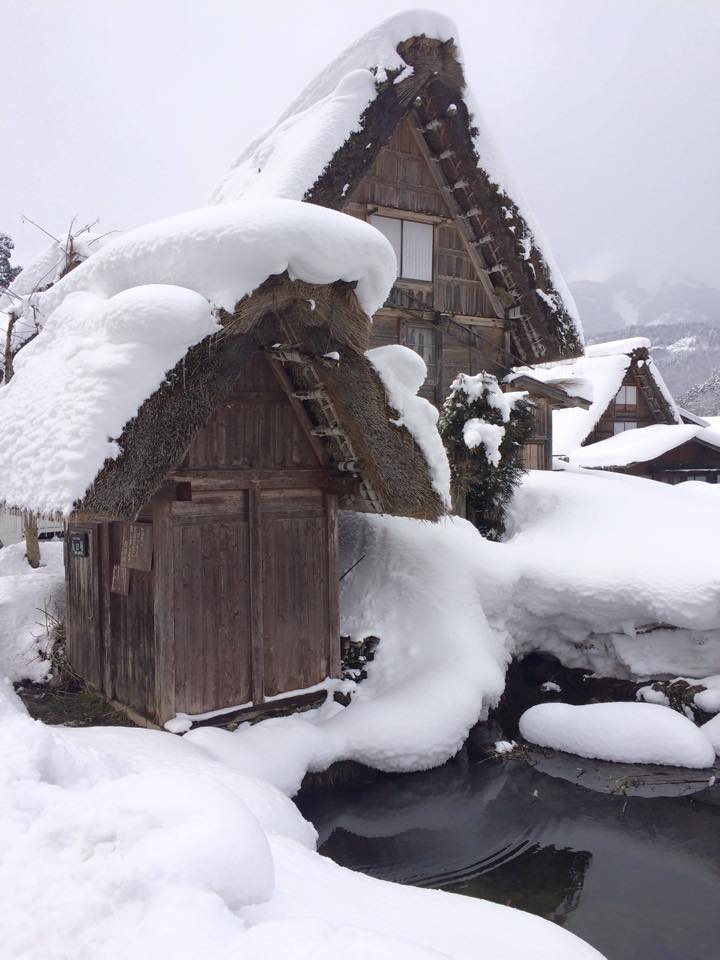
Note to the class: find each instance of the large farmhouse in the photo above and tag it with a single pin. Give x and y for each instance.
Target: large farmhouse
(405, 149)
(214, 402)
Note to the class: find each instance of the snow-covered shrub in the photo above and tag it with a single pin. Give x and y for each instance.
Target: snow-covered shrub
(483, 430)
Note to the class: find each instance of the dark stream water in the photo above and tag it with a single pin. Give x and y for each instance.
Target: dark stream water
(636, 876)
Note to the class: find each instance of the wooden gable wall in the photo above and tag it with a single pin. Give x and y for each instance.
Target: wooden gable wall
(644, 414)
(469, 336)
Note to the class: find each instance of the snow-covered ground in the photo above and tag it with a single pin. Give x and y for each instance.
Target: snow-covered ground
(148, 839)
(122, 843)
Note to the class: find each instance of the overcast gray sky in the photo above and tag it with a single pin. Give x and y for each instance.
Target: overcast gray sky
(607, 111)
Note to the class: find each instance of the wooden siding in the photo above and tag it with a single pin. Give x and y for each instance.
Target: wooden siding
(402, 183)
(83, 614)
(241, 599)
(641, 414)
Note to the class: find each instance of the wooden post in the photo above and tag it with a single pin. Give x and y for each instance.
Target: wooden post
(164, 604)
(333, 602)
(32, 542)
(256, 594)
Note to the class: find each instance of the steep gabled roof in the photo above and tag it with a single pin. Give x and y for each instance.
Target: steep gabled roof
(330, 136)
(140, 343)
(597, 376)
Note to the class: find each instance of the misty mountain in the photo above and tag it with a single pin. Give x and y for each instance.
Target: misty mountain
(681, 320)
(704, 399)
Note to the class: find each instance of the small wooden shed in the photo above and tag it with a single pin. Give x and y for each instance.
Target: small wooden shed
(202, 564)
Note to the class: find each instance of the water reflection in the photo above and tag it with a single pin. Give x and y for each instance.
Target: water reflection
(637, 877)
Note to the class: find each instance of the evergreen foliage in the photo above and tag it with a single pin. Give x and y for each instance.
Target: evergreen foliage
(486, 489)
(7, 271)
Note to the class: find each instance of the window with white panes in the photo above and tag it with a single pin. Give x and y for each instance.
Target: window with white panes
(626, 397)
(412, 243)
(423, 340)
(620, 426)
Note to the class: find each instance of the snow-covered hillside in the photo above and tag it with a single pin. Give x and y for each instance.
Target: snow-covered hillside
(682, 321)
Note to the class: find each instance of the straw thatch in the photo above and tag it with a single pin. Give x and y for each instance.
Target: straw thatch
(314, 320)
(432, 95)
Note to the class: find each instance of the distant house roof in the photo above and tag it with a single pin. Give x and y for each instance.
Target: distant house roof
(140, 343)
(687, 417)
(329, 137)
(558, 392)
(597, 377)
(642, 445)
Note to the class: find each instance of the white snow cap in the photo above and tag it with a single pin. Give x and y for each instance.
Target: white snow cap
(114, 326)
(619, 732)
(641, 445)
(289, 157)
(403, 372)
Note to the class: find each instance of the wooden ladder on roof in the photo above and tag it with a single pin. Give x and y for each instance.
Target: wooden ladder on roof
(322, 413)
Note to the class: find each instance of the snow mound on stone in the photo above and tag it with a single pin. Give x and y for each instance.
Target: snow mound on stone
(619, 732)
(711, 729)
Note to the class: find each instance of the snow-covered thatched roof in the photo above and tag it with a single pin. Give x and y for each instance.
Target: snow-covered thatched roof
(642, 445)
(139, 343)
(597, 376)
(329, 138)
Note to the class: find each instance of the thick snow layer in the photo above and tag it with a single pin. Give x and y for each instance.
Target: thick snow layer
(120, 321)
(79, 382)
(289, 157)
(226, 252)
(640, 445)
(403, 372)
(620, 732)
(490, 435)
(30, 600)
(591, 554)
(40, 273)
(152, 848)
(614, 347)
(711, 729)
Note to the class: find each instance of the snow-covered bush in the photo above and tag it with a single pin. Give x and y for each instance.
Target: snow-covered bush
(483, 430)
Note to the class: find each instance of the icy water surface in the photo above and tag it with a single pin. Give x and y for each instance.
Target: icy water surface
(638, 877)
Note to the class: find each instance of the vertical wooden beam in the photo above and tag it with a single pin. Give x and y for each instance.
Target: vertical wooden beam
(333, 601)
(104, 545)
(163, 605)
(256, 593)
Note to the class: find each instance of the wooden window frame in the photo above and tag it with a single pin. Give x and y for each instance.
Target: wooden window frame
(402, 220)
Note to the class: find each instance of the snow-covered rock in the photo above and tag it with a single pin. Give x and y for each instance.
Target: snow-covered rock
(620, 732)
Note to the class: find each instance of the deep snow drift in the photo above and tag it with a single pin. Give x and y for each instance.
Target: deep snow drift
(125, 843)
(620, 732)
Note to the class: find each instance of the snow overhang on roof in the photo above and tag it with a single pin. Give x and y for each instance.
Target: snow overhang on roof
(642, 445)
(330, 136)
(113, 328)
(597, 375)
